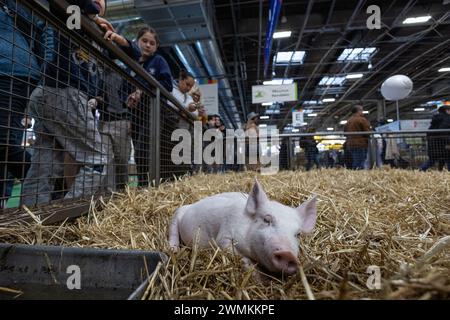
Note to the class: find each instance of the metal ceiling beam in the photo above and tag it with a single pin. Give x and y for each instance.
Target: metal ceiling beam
(386, 60)
(300, 36)
(313, 30)
(237, 65)
(411, 62)
(355, 12)
(225, 59)
(348, 66)
(408, 7)
(418, 98)
(341, 38)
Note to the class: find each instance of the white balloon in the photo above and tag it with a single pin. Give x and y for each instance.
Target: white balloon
(396, 88)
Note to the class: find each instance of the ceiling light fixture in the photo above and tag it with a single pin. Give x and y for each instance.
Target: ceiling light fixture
(331, 81)
(278, 82)
(414, 20)
(282, 34)
(357, 54)
(284, 57)
(354, 76)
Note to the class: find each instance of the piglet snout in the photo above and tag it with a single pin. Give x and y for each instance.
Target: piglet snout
(285, 261)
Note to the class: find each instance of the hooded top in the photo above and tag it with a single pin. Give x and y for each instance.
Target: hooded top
(65, 62)
(19, 49)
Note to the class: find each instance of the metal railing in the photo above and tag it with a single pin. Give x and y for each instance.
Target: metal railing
(70, 129)
(399, 149)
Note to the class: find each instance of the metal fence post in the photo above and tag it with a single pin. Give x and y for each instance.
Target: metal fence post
(289, 154)
(156, 150)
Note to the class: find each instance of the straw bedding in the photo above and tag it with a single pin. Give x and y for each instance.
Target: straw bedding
(396, 220)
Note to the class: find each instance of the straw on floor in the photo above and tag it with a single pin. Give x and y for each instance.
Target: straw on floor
(396, 222)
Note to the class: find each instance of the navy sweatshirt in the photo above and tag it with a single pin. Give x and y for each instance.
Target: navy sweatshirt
(66, 64)
(155, 65)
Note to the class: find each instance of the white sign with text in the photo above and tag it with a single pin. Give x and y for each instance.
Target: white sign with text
(210, 97)
(274, 93)
(297, 118)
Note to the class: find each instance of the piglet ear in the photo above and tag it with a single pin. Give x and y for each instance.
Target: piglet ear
(308, 214)
(256, 199)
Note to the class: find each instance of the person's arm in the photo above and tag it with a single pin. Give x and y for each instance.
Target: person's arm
(103, 23)
(89, 7)
(190, 104)
(191, 107)
(165, 75)
(130, 48)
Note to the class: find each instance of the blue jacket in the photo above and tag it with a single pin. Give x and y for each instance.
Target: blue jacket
(19, 59)
(156, 65)
(65, 63)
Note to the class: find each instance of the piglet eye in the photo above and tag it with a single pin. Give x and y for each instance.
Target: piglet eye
(268, 219)
(298, 234)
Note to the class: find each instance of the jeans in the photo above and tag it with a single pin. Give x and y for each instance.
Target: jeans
(14, 159)
(430, 163)
(313, 158)
(358, 158)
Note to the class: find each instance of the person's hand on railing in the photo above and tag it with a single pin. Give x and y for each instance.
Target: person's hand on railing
(117, 38)
(102, 23)
(192, 107)
(134, 99)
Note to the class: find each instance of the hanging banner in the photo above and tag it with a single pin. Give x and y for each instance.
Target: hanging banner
(210, 97)
(297, 118)
(275, 93)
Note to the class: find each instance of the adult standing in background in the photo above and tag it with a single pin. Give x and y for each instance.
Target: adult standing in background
(196, 95)
(445, 124)
(357, 145)
(437, 140)
(181, 88)
(311, 151)
(252, 143)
